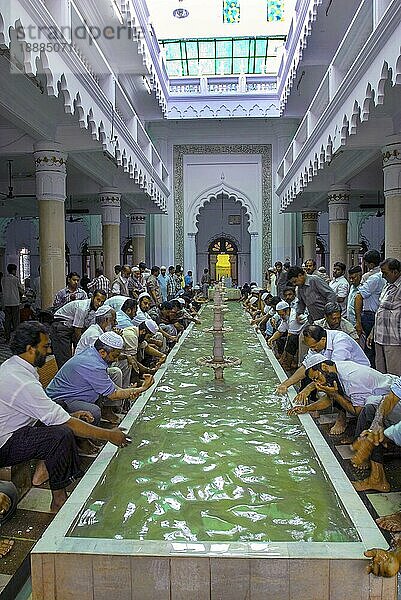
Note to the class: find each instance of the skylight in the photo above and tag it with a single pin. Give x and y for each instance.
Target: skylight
(222, 56)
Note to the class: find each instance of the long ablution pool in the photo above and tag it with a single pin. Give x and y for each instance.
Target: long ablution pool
(215, 471)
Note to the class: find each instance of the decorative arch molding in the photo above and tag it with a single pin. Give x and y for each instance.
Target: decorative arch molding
(51, 74)
(228, 237)
(371, 92)
(210, 194)
(264, 151)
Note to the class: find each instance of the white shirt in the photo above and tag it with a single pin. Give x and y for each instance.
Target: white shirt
(23, 401)
(12, 290)
(77, 313)
(360, 382)
(340, 286)
(131, 341)
(340, 346)
(88, 338)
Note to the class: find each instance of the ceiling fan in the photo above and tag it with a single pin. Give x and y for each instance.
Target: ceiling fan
(10, 195)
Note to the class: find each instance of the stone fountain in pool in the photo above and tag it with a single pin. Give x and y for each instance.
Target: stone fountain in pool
(221, 495)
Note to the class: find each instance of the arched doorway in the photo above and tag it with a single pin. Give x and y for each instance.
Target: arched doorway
(223, 260)
(320, 253)
(128, 253)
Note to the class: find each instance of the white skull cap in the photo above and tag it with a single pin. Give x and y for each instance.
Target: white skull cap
(311, 360)
(103, 310)
(282, 305)
(112, 339)
(151, 325)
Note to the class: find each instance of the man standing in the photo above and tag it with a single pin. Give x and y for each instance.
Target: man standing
(355, 276)
(387, 328)
(188, 279)
(69, 321)
(340, 286)
(153, 286)
(334, 320)
(162, 278)
(100, 282)
(120, 284)
(136, 283)
(171, 283)
(313, 293)
(12, 294)
(367, 299)
(71, 292)
(205, 282)
(281, 278)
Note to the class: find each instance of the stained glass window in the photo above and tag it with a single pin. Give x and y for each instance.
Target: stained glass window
(275, 10)
(231, 11)
(220, 56)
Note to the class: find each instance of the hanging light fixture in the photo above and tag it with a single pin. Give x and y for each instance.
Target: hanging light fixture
(180, 13)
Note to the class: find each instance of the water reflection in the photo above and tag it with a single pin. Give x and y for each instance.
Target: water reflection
(216, 462)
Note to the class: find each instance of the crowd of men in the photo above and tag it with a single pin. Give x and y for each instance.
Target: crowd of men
(339, 341)
(108, 341)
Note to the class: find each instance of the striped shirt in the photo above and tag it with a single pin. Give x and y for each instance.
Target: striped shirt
(100, 283)
(388, 315)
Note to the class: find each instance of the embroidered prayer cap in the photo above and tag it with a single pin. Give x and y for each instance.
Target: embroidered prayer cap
(282, 305)
(112, 339)
(151, 325)
(311, 360)
(103, 310)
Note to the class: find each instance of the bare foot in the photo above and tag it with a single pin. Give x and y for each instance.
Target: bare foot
(5, 547)
(340, 425)
(390, 522)
(87, 448)
(370, 484)
(59, 498)
(364, 448)
(109, 415)
(41, 474)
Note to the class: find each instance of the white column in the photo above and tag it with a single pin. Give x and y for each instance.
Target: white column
(392, 193)
(190, 255)
(338, 200)
(309, 231)
(255, 257)
(110, 208)
(137, 227)
(50, 163)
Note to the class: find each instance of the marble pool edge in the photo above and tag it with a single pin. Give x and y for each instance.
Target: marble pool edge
(54, 540)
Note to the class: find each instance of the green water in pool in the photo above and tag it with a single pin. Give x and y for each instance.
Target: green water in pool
(216, 462)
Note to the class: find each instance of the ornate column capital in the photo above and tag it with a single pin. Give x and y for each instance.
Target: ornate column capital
(110, 202)
(137, 223)
(50, 165)
(310, 216)
(391, 156)
(338, 202)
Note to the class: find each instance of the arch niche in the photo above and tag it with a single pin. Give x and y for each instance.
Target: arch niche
(222, 226)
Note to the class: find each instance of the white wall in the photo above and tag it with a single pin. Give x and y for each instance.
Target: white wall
(276, 132)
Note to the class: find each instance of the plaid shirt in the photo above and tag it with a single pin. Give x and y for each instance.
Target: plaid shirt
(100, 283)
(170, 287)
(388, 316)
(66, 295)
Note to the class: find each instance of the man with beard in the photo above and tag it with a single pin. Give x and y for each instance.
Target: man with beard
(23, 402)
(83, 381)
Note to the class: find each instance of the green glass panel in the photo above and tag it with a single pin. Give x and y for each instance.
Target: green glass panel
(193, 68)
(175, 68)
(223, 48)
(240, 65)
(206, 49)
(259, 65)
(172, 50)
(207, 65)
(260, 47)
(223, 66)
(192, 50)
(241, 48)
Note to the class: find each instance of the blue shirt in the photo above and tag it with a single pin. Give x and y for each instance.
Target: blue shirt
(188, 279)
(163, 285)
(123, 319)
(371, 290)
(84, 377)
